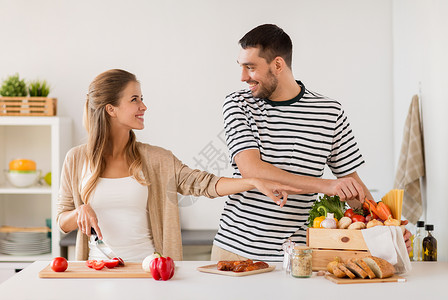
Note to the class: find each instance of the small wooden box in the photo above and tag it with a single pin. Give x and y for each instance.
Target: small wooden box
(27, 106)
(329, 243)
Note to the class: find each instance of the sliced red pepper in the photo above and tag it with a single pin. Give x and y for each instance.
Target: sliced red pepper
(162, 268)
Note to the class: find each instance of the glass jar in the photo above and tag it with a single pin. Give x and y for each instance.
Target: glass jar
(301, 262)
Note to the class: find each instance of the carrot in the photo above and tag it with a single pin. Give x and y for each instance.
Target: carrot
(383, 211)
(372, 207)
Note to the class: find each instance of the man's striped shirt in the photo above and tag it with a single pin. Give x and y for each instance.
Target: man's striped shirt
(300, 136)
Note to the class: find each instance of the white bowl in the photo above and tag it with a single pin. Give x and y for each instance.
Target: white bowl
(22, 179)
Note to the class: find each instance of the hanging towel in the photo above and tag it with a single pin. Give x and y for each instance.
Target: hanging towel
(411, 164)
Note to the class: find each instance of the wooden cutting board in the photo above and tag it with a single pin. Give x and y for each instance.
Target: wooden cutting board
(214, 270)
(78, 269)
(394, 278)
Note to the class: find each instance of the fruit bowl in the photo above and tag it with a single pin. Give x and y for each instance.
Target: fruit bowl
(22, 179)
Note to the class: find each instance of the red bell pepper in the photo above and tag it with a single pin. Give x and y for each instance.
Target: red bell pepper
(162, 268)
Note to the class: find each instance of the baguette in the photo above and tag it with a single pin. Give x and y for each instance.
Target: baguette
(365, 267)
(355, 269)
(346, 271)
(381, 267)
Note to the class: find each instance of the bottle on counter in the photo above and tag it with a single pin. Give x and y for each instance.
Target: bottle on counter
(411, 253)
(417, 243)
(429, 245)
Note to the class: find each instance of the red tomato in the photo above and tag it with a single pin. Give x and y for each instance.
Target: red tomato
(90, 262)
(98, 265)
(120, 261)
(59, 264)
(349, 213)
(111, 263)
(358, 218)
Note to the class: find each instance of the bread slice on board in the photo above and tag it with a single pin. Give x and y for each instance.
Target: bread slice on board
(382, 268)
(338, 272)
(365, 267)
(346, 271)
(355, 269)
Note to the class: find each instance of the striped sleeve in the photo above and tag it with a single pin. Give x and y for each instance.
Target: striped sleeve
(239, 135)
(345, 156)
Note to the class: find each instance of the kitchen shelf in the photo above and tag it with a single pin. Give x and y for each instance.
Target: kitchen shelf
(8, 190)
(45, 140)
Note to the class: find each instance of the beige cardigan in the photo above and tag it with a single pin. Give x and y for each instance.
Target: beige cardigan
(167, 176)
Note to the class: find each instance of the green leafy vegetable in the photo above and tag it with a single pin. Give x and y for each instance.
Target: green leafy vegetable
(326, 204)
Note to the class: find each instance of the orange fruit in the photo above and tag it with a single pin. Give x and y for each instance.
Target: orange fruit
(22, 165)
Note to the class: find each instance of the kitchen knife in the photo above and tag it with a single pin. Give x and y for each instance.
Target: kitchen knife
(102, 246)
(354, 203)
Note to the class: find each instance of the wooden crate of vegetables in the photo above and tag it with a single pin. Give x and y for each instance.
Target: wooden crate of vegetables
(335, 230)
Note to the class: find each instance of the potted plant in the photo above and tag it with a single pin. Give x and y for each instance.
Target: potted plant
(14, 100)
(38, 88)
(13, 86)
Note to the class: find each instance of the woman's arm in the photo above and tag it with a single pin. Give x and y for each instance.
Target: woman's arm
(82, 218)
(202, 183)
(276, 191)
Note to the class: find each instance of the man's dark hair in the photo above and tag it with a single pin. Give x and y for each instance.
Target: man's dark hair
(272, 42)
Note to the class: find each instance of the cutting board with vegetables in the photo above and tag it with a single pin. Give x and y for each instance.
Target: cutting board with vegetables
(394, 278)
(214, 270)
(79, 269)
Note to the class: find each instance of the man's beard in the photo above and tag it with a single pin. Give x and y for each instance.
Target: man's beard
(267, 89)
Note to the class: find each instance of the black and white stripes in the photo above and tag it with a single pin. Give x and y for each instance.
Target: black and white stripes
(300, 136)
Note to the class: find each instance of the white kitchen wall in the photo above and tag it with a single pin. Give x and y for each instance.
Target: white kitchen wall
(184, 53)
(421, 67)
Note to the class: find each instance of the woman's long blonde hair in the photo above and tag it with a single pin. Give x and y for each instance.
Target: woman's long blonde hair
(105, 89)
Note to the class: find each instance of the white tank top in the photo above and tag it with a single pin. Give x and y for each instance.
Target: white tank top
(120, 205)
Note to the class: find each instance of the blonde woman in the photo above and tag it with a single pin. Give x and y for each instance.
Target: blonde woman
(127, 190)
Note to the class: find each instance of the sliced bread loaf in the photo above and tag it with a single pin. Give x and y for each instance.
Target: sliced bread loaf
(365, 267)
(338, 272)
(381, 267)
(346, 270)
(355, 269)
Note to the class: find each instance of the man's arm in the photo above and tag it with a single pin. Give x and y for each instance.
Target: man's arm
(406, 234)
(355, 176)
(250, 165)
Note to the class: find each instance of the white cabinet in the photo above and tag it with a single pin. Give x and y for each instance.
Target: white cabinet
(45, 140)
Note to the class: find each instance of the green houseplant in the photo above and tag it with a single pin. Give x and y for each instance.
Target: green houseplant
(13, 86)
(38, 88)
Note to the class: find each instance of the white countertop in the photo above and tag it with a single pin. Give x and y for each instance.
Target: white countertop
(426, 280)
